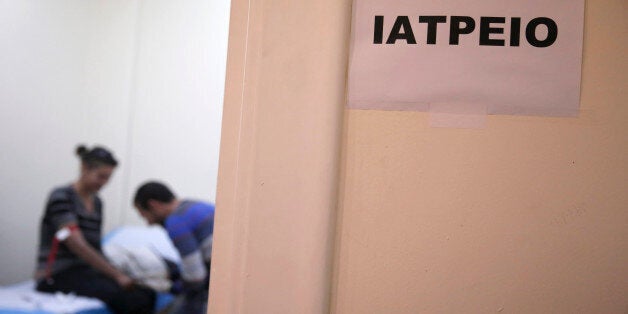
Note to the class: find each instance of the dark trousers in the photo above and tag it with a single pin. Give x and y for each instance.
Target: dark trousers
(191, 302)
(85, 281)
(195, 297)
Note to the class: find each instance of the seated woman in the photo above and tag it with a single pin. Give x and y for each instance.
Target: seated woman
(70, 259)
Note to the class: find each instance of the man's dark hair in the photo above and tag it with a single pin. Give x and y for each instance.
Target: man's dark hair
(152, 191)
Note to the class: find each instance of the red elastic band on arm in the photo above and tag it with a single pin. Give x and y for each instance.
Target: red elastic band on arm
(63, 233)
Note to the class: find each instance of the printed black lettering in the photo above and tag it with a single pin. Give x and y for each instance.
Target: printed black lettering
(459, 25)
(552, 32)
(378, 29)
(515, 31)
(396, 34)
(455, 30)
(486, 30)
(432, 24)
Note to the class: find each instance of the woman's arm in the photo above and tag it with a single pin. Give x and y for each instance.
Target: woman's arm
(79, 246)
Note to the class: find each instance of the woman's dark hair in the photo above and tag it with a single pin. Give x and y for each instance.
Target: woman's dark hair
(152, 191)
(96, 156)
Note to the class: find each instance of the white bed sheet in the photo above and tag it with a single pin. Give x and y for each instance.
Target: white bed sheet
(23, 298)
(154, 237)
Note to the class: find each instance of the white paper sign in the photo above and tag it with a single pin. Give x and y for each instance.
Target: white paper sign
(514, 57)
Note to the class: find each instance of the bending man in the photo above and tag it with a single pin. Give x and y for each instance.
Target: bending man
(190, 226)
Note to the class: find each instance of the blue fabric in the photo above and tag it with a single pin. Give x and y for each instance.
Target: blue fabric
(109, 236)
(163, 300)
(190, 225)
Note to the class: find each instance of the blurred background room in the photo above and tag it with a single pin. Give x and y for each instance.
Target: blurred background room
(142, 78)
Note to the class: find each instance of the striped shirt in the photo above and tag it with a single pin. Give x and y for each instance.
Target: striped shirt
(65, 207)
(191, 229)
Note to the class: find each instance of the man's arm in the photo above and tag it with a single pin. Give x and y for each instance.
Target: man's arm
(193, 270)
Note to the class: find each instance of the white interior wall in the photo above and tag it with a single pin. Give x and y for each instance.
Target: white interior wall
(178, 97)
(144, 78)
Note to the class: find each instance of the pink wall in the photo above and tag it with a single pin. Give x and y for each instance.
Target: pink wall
(529, 215)
(525, 216)
(279, 158)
